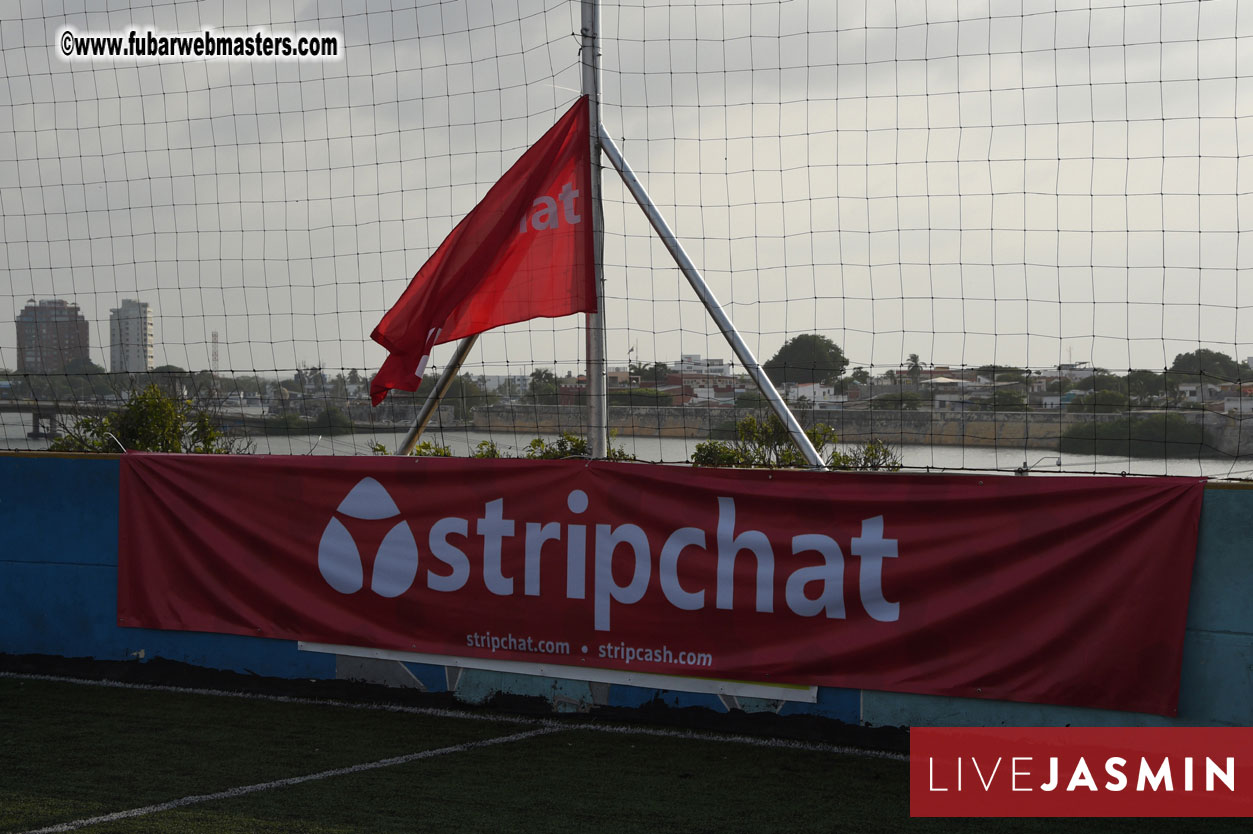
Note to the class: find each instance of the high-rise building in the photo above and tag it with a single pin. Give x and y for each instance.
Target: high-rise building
(51, 334)
(130, 337)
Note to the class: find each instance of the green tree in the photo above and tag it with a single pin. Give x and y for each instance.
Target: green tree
(543, 386)
(151, 421)
(80, 366)
(339, 386)
(913, 367)
(87, 379)
(247, 384)
(1100, 402)
(994, 372)
(330, 420)
(1060, 385)
(1006, 399)
(1145, 384)
(860, 375)
(465, 395)
(1209, 364)
(650, 375)
(646, 397)
(1103, 380)
(751, 398)
(171, 379)
(807, 358)
(906, 401)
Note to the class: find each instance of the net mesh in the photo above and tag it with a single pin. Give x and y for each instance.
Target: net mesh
(994, 235)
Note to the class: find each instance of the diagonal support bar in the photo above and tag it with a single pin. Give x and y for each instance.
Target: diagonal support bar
(742, 351)
(437, 394)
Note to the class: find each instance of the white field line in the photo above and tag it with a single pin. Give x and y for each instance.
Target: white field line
(620, 729)
(278, 699)
(230, 793)
(751, 741)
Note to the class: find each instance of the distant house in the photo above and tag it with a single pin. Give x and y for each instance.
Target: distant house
(1039, 382)
(949, 401)
(1238, 406)
(693, 364)
(711, 394)
(1076, 372)
(1199, 392)
(817, 394)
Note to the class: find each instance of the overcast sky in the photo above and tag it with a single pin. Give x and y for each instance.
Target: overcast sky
(997, 181)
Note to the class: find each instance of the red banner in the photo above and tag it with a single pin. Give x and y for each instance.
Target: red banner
(1080, 771)
(1046, 589)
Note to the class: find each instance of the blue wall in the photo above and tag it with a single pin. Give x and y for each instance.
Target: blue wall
(58, 578)
(58, 596)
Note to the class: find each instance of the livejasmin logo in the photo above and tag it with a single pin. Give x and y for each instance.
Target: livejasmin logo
(1080, 771)
(808, 591)
(1117, 773)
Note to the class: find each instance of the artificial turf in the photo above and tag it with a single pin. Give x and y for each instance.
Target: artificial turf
(69, 751)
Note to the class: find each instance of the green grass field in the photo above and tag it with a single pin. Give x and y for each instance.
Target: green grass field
(71, 752)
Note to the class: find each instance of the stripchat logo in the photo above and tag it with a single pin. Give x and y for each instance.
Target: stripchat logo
(694, 569)
(339, 559)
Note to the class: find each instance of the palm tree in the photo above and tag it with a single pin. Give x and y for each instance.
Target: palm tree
(914, 368)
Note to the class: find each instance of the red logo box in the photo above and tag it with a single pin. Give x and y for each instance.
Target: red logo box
(1081, 772)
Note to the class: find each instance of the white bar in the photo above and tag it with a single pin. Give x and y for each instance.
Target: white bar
(437, 395)
(743, 689)
(597, 408)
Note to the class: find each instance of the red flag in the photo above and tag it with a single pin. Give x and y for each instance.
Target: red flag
(524, 252)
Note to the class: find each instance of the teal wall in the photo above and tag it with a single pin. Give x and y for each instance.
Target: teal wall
(58, 596)
(58, 578)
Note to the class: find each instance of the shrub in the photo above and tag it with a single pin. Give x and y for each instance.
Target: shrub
(568, 445)
(767, 444)
(487, 449)
(152, 420)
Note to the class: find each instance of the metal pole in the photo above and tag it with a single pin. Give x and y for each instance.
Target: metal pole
(706, 295)
(597, 413)
(436, 395)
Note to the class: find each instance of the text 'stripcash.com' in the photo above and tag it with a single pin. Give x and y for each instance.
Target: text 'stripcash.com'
(1081, 772)
(243, 45)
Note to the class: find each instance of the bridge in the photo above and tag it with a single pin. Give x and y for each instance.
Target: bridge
(45, 415)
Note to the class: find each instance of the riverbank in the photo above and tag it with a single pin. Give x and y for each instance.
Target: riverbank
(1035, 430)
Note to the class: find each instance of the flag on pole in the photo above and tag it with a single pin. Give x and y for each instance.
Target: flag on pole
(524, 252)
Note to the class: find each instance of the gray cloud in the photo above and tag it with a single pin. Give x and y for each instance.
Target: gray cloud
(969, 181)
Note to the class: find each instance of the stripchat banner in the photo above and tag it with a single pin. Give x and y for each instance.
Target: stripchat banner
(1045, 589)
